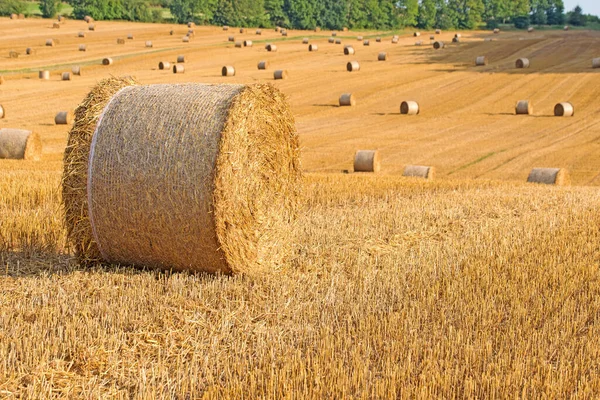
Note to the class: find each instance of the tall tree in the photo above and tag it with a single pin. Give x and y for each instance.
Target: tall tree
(275, 13)
(50, 8)
(466, 14)
(576, 17)
(427, 14)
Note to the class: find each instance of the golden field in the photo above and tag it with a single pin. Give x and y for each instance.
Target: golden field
(476, 285)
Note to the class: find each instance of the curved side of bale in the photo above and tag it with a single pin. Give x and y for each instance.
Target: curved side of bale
(419, 171)
(271, 47)
(75, 173)
(352, 66)
(50, 42)
(164, 65)
(382, 56)
(481, 61)
(178, 69)
(228, 70)
(263, 65)
(82, 47)
(66, 76)
(20, 144)
(395, 40)
(347, 99)
(564, 109)
(107, 61)
(238, 44)
(417, 34)
(247, 43)
(331, 40)
(231, 38)
(409, 108)
(180, 59)
(596, 63)
(522, 63)
(367, 161)
(63, 118)
(524, 107)
(258, 32)
(2, 112)
(349, 50)
(549, 176)
(45, 75)
(76, 70)
(280, 74)
(438, 45)
(313, 47)
(366, 43)
(305, 40)
(338, 41)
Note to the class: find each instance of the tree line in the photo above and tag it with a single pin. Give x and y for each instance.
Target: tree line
(327, 14)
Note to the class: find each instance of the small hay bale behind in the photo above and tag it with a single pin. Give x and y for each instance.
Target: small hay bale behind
(263, 64)
(231, 38)
(395, 40)
(331, 40)
(247, 43)
(45, 75)
(349, 50)
(566, 28)
(352, 66)
(524, 107)
(242, 30)
(107, 61)
(20, 144)
(338, 41)
(76, 70)
(238, 45)
(596, 63)
(382, 56)
(530, 29)
(564, 109)
(481, 61)
(164, 65)
(409, 108)
(13, 54)
(417, 34)
(359, 38)
(280, 74)
(181, 59)
(178, 69)
(313, 47)
(63, 118)
(258, 32)
(419, 171)
(225, 27)
(522, 63)
(455, 40)
(347, 99)
(228, 70)
(55, 25)
(66, 76)
(334, 34)
(438, 31)
(378, 39)
(496, 31)
(366, 43)
(366, 161)
(549, 176)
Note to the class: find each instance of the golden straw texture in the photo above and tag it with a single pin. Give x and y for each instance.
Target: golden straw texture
(20, 144)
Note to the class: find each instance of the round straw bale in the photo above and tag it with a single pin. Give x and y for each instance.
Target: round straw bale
(331, 40)
(171, 32)
(247, 43)
(345, 29)
(87, 19)
(107, 61)
(164, 65)
(378, 39)
(148, 43)
(382, 56)
(241, 30)
(409, 108)
(530, 29)
(395, 40)
(76, 70)
(549, 176)
(305, 40)
(13, 54)
(50, 42)
(2, 113)
(596, 63)
(231, 38)
(352, 66)
(481, 61)
(418, 43)
(215, 189)
(178, 69)
(366, 43)
(13, 16)
(416, 34)
(228, 70)
(284, 33)
(359, 38)
(191, 24)
(313, 47)
(455, 40)
(366, 161)
(522, 63)
(438, 45)
(438, 31)
(347, 99)
(457, 35)
(419, 171)
(566, 28)
(91, 27)
(81, 34)
(263, 65)
(277, 29)
(258, 32)
(181, 59)
(317, 29)
(30, 51)
(63, 118)
(564, 109)
(130, 36)
(66, 76)
(55, 25)
(190, 33)
(431, 37)
(120, 41)
(333, 33)
(524, 107)
(45, 75)
(280, 74)
(496, 31)
(271, 47)
(82, 47)
(238, 44)
(20, 144)
(349, 50)
(225, 28)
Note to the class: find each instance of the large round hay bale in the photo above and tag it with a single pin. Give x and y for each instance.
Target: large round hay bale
(366, 161)
(214, 189)
(318, 29)
(91, 27)
(107, 61)
(238, 45)
(382, 56)
(409, 108)
(481, 61)
(20, 144)
(349, 50)
(280, 74)
(352, 66)
(419, 171)
(76, 70)
(596, 63)
(247, 43)
(228, 70)
(417, 34)
(164, 65)
(181, 59)
(66, 76)
(524, 107)
(263, 65)
(313, 47)
(148, 43)
(522, 63)
(120, 41)
(178, 69)
(549, 176)
(331, 40)
(82, 47)
(50, 42)
(13, 54)
(366, 42)
(45, 75)
(271, 47)
(63, 118)
(347, 99)
(231, 38)
(13, 16)
(438, 45)
(564, 109)
(305, 40)
(81, 34)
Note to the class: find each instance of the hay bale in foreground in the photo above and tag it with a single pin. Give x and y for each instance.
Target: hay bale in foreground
(382, 56)
(178, 69)
(419, 171)
(366, 161)
(409, 108)
(45, 75)
(481, 61)
(66, 76)
(63, 118)
(549, 176)
(181, 59)
(107, 61)
(280, 74)
(20, 144)
(564, 109)
(596, 63)
(263, 64)
(313, 47)
(522, 63)
(347, 99)
(349, 50)
(438, 45)
(524, 107)
(352, 66)
(164, 65)
(214, 190)
(228, 70)
(76, 70)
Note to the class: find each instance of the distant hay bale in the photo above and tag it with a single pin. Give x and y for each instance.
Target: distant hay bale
(338, 41)
(530, 29)
(549, 176)
(305, 40)
(564, 109)
(66, 76)
(82, 47)
(313, 47)
(185, 39)
(13, 54)
(359, 38)
(277, 29)
(190, 33)
(130, 37)
(120, 41)
(366, 161)
(191, 24)
(228, 70)
(171, 32)
(481, 61)
(331, 40)
(81, 34)
(164, 65)
(242, 30)
(284, 33)
(566, 28)
(352, 66)
(263, 65)
(21, 16)
(347, 99)
(458, 35)
(419, 171)
(455, 40)
(438, 31)
(231, 38)
(382, 56)
(20, 144)
(225, 28)
(148, 43)
(238, 45)
(496, 31)
(247, 43)
(524, 107)
(30, 51)
(76, 70)
(345, 29)
(418, 43)
(88, 19)
(378, 39)
(45, 75)
(522, 63)
(349, 50)
(317, 29)
(596, 63)
(50, 42)
(417, 34)
(409, 108)
(13, 16)
(280, 74)
(258, 32)
(366, 43)
(431, 37)
(438, 45)
(333, 33)
(63, 118)
(55, 25)
(181, 59)
(107, 61)
(395, 40)
(271, 47)
(178, 69)
(91, 27)
(215, 189)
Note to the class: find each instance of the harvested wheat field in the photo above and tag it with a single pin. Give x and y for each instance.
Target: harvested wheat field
(476, 284)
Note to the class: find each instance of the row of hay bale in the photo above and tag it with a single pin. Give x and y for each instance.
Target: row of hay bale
(523, 62)
(562, 109)
(65, 76)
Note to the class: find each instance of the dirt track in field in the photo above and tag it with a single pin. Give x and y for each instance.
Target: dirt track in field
(466, 129)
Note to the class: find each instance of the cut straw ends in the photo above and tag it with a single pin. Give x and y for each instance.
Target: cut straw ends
(564, 109)
(549, 176)
(63, 118)
(524, 107)
(419, 171)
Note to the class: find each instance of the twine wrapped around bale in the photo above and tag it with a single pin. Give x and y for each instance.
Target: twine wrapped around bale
(82, 47)
(228, 70)
(313, 47)
(549, 176)
(63, 118)
(76, 70)
(409, 108)
(66, 76)
(419, 171)
(366, 161)
(263, 65)
(81, 34)
(596, 63)
(347, 99)
(481, 61)
(45, 75)
(524, 107)
(382, 56)
(107, 61)
(438, 45)
(178, 69)
(280, 74)
(164, 65)
(271, 47)
(247, 43)
(20, 144)
(352, 66)
(213, 189)
(564, 109)
(349, 50)
(522, 63)
(181, 59)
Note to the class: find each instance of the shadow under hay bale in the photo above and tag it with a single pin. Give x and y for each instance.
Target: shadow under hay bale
(20, 144)
(419, 171)
(367, 161)
(549, 176)
(564, 109)
(227, 154)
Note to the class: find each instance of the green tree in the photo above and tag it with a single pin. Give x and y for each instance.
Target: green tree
(200, 11)
(555, 12)
(466, 14)
(576, 17)
(8, 7)
(408, 12)
(50, 8)
(427, 14)
(275, 13)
